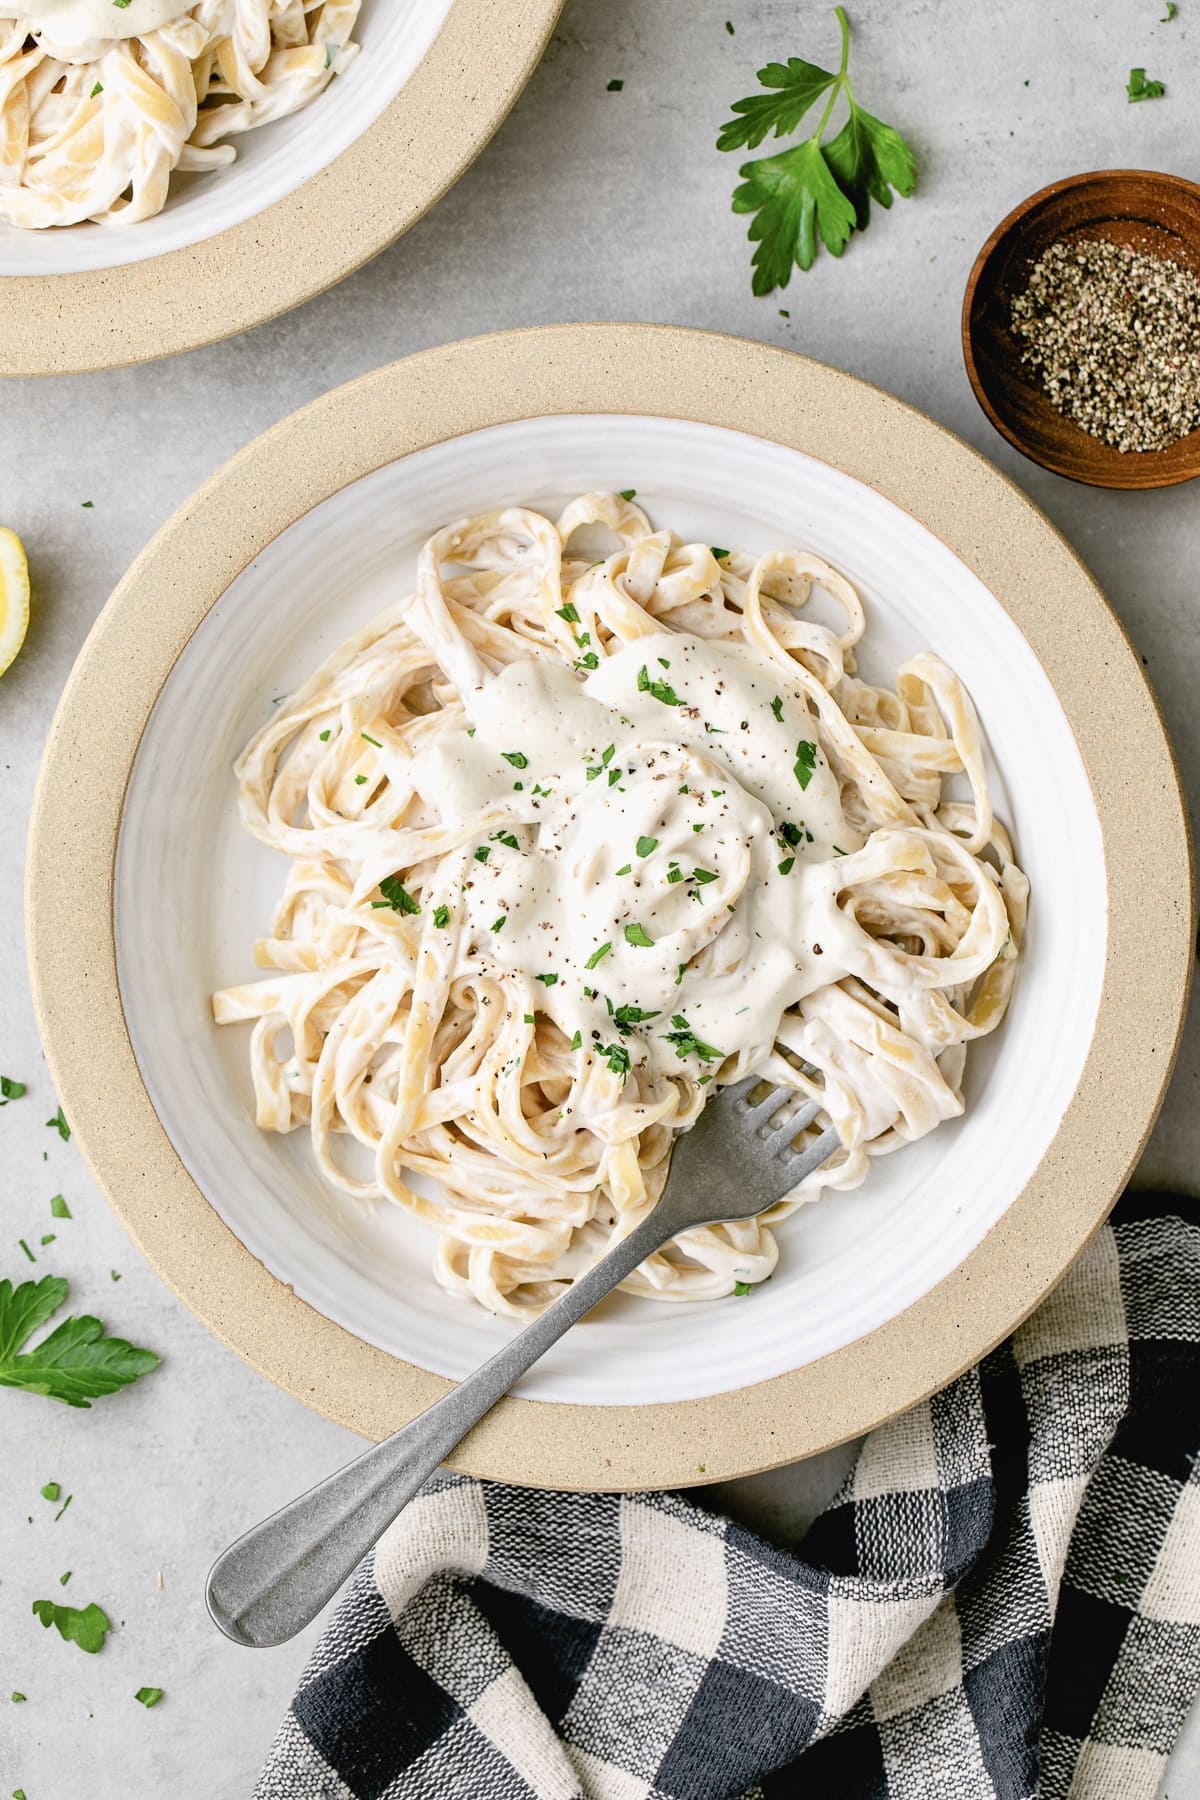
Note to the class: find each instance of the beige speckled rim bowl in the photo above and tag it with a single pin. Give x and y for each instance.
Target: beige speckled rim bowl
(333, 223)
(671, 373)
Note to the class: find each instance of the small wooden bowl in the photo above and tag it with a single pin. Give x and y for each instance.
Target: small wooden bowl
(1156, 213)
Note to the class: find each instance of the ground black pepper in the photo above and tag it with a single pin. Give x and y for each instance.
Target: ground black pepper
(1113, 334)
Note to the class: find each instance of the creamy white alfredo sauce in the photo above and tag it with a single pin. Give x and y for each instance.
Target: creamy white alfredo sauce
(671, 866)
(85, 23)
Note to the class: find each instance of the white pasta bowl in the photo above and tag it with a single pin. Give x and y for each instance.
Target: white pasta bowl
(150, 896)
(309, 198)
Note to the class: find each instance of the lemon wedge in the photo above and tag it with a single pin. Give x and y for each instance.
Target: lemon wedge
(14, 596)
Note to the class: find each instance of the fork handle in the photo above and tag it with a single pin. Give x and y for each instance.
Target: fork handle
(275, 1579)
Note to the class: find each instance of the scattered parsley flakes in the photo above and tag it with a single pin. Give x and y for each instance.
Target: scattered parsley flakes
(59, 1208)
(324, 735)
(628, 493)
(51, 1491)
(625, 1017)
(703, 876)
(787, 865)
(674, 873)
(658, 690)
(614, 87)
(729, 29)
(86, 1626)
(62, 1509)
(1172, 9)
(837, 851)
(87, 503)
(806, 762)
(64, 1578)
(777, 707)
(16, 1698)
(27, 1250)
(114, 1275)
(741, 1288)
(482, 854)
(548, 980)
(441, 917)
(1138, 88)
(48, 1237)
(149, 1696)
(567, 612)
(638, 936)
(627, 869)
(588, 661)
(58, 1123)
(77, 1362)
(686, 1043)
(370, 740)
(617, 1057)
(719, 554)
(10, 1089)
(597, 956)
(517, 758)
(396, 895)
(699, 827)
(507, 838)
(577, 1041)
(500, 923)
(530, 1018)
(679, 973)
(646, 846)
(360, 781)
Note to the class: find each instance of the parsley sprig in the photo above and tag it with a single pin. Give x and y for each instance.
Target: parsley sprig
(813, 186)
(77, 1362)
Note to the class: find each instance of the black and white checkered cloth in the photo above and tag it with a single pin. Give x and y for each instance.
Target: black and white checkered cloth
(1003, 1601)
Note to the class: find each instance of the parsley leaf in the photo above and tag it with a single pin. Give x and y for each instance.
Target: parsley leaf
(149, 1696)
(10, 1089)
(617, 1057)
(59, 1208)
(396, 895)
(547, 980)
(626, 1017)
(567, 612)
(628, 493)
(597, 956)
(77, 1362)
(638, 935)
(1138, 88)
(441, 917)
(517, 758)
(806, 762)
(812, 187)
(58, 1123)
(686, 1042)
(741, 1288)
(777, 708)
(646, 845)
(86, 1626)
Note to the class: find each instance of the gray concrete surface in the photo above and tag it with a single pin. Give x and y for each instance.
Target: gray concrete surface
(587, 205)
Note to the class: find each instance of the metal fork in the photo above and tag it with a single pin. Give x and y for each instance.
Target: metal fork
(737, 1159)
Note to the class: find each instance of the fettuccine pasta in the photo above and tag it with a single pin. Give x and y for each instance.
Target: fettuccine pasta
(94, 121)
(592, 822)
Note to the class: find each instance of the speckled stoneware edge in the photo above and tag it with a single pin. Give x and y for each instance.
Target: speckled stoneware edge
(309, 240)
(672, 373)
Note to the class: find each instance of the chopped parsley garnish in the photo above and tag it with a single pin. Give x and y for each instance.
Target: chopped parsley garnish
(441, 917)
(703, 876)
(777, 707)
(646, 846)
(77, 1362)
(62, 1509)
(719, 554)
(59, 1208)
(589, 660)
(506, 837)
(626, 870)
(638, 935)
(58, 1123)
(370, 740)
(324, 735)
(396, 895)
(577, 1041)
(617, 1057)
(686, 1042)
(658, 690)
(149, 1696)
(679, 973)
(500, 923)
(547, 980)
(568, 613)
(787, 865)
(49, 1237)
(595, 769)
(16, 1698)
(10, 1089)
(530, 1018)
(597, 956)
(64, 1578)
(806, 762)
(791, 834)
(86, 1626)
(837, 851)
(1138, 88)
(626, 1017)
(27, 1250)
(51, 1491)
(664, 662)
(674, 873)
(517, 758)
(470, 731)
(628, 493)
(360, 781)
(741, 1288)
(98, 89)
(699, 827)
(614, 87)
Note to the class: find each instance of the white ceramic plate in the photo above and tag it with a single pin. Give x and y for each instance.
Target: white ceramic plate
(192, 892)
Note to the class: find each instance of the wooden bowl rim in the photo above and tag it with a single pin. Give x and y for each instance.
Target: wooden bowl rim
(1009, 225)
